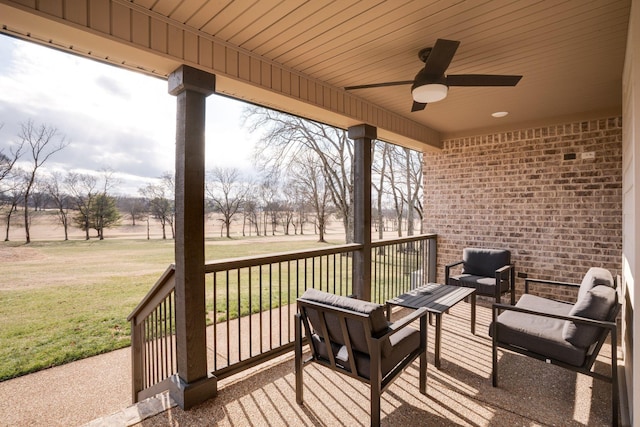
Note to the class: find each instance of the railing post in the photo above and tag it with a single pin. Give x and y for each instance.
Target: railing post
(432, 262)
(362, 136)
(137, 365)
(193, 385)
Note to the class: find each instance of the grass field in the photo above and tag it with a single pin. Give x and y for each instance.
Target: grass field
(63, 301)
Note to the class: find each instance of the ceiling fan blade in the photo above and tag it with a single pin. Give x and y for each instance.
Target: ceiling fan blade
(440, 56)
(482, 80)
(404, 82)
(417, 106)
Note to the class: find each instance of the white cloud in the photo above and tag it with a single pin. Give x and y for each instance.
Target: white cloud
(112, 117)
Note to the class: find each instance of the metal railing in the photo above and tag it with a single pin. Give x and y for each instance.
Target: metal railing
(153, 344)
(401, 264)
(250, 304)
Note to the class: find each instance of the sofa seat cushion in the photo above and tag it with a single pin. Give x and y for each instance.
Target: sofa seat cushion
(403, 343)
(483, 285)
(357, 334)
(595, 304)
(542, 335)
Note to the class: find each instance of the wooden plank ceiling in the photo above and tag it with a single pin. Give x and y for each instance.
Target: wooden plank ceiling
(571, 52)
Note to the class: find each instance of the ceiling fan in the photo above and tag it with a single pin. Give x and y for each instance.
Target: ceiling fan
(431, 84)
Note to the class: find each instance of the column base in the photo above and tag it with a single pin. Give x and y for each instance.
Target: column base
(188, 395)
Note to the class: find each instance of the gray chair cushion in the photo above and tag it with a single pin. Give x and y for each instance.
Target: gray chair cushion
(594, 277)
(594, 304)
(357, 334)
(542, 335)
(483, 285)
(402, 343)
(484, 262)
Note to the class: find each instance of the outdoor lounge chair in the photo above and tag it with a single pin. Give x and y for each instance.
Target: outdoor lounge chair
(353, 337)
(565, 334)
(489, 271)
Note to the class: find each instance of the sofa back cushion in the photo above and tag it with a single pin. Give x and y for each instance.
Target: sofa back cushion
(594, 277)
(484, 262)
(356, 328)
(595, 304)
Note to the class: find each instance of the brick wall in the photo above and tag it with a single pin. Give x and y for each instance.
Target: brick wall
(535, 192)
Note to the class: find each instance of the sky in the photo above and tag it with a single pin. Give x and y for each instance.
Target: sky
(111, 117)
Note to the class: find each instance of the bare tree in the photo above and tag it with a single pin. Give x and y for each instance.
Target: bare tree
(134, 207)
(82, 189)
(379, 166)
(250, 215)
(310, 181)
(396, 187)
(300, 204)
(61, 200)
(286, 138)
(7, 162)
(226, 192)
(414, 188)
(161, 201)
(42, 142)
(40, 198)
(12, 197)
(268, 196)
(168, 183)
(286, 212)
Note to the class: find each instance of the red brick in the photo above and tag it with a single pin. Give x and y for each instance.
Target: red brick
(514, 190)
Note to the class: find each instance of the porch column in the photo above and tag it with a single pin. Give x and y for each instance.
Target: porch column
(362, 136)
(191, 87)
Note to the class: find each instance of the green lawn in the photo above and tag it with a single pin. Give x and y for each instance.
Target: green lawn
(63, 301)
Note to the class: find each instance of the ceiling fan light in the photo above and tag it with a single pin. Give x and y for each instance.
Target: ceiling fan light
(428, 93)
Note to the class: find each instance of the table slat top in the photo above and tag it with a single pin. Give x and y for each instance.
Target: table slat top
(434, 297)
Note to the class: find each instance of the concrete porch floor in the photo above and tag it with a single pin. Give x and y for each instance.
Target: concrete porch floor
(530, 392)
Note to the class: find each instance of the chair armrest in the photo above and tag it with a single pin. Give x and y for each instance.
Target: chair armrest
(453, 264)
(447, 268)
(547, 282)
(502, 270)
(404, 322)
(585, 320)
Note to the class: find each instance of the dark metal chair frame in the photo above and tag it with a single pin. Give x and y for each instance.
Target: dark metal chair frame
(378, 382)
(607, 326)
(507, 272)
(504, 273)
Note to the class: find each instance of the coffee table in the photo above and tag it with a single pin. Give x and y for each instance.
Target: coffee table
(437, 299)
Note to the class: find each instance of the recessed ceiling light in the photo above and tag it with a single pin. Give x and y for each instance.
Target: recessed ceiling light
(500, 113)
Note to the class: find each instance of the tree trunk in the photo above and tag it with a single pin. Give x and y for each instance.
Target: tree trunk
(26, 217)
(65, 224)
(6, 238)
(86, 228)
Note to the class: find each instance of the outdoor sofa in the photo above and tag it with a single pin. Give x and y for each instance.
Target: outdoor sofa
(562, 333)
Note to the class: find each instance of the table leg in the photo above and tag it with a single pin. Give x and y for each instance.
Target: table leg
(473, 313)
(438, 338)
